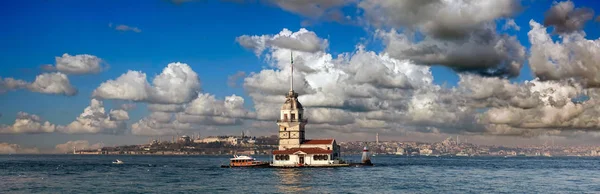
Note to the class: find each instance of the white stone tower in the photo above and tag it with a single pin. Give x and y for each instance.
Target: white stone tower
(366, 158)
(291, 121)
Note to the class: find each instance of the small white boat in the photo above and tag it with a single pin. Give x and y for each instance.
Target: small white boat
(117, 162)
(462, 154)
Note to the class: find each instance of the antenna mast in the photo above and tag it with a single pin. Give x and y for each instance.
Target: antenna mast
(292, 73)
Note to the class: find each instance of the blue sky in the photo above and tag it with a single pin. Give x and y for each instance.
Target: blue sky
(201, 34)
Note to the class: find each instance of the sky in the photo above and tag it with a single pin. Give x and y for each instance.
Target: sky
(93, 73)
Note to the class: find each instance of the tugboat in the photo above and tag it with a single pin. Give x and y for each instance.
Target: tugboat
(244, 161)
(365, 160)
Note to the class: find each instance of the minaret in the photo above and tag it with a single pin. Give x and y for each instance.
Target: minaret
(291, 123)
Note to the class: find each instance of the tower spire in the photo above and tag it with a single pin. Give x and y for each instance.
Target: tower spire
(292, 73)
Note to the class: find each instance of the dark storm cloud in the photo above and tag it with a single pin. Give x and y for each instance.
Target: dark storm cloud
(565, 18)
(483, 52)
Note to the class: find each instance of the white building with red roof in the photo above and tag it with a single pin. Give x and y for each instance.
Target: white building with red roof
(294, 150)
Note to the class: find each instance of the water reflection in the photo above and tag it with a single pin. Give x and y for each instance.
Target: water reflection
(291, 180)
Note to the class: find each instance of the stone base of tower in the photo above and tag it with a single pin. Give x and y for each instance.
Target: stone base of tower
(309, 154)
(310, 166)
(306, 157)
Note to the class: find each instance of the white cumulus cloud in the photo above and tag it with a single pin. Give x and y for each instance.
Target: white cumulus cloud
(151, 127)
(94, 119)
(79, 64)
(28, 123)
(363, 91)
(208, 105)
(46, 83)
(9, 84)
(53, 83)
(303, 40)
(177, 84)
(129, 86)
(571, 57)
(7, 148)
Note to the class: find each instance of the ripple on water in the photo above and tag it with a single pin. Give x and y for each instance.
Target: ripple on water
(392, 174)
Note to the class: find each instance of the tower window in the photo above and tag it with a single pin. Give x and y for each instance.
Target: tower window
(285, 117)
(299, 115)
(285, 129)
(293, 116)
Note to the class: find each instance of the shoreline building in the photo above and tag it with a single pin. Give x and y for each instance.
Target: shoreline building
(231, 140)
(294, 149)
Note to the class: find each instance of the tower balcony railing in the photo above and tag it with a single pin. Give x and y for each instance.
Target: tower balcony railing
(292, 120)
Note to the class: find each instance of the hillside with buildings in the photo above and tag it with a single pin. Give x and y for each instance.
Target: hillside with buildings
(195, 145)
(453, 147)
(264, 145)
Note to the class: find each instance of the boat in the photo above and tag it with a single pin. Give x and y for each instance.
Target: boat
(117, 162)
(245, 161)
(462, 154)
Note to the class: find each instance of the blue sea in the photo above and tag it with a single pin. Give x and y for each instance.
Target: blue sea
(202, 174)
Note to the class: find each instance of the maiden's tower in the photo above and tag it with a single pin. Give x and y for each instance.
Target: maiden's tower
(294, 149)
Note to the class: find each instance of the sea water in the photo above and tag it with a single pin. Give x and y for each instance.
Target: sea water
(202, 174)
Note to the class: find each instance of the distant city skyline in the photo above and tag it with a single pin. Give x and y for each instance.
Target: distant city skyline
(507, 72)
